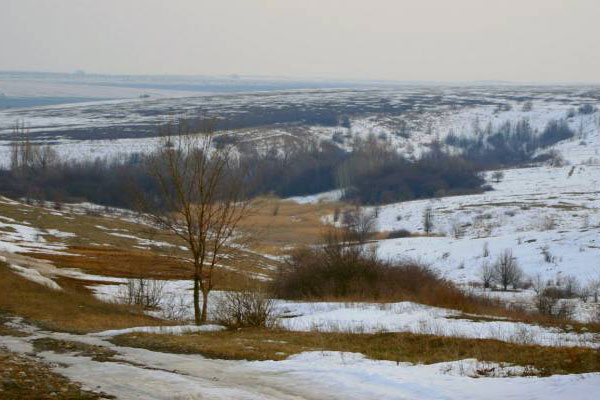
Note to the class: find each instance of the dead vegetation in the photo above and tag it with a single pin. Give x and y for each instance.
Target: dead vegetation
(96, 353)
(261, 344)
(293, 224)
(73, 309)
(124, 263)
(24, 378)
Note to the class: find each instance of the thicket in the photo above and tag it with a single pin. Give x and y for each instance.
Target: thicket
(508, 144)
(371, 173)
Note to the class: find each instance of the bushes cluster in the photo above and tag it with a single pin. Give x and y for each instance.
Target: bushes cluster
(372, 173)
(510, 143)
(399, 180)
(340, 270)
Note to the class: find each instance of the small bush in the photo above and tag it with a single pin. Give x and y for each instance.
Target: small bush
(143, 292)
(247, 308)
(399, 233)
(586, 109)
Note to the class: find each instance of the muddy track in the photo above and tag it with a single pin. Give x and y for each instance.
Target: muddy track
(131, 373)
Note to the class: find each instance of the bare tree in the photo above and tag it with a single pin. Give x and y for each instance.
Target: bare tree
(487, 275)
(428, 219)
(594, 286)
(571, 286)
(497, 176)
(506, 270)
(360, 224)
(457, 229)
(27, 156)
(202, 201)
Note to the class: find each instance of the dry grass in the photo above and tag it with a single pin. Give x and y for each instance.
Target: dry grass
(73, 309)
(295, 224)
(23, 378)
(99, 247)
(6, 330)
(126, 263)
(119, 262)
(260, 344)
(95, 353)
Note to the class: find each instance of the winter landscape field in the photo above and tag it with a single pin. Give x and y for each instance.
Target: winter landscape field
(299, 200)
(544, 212)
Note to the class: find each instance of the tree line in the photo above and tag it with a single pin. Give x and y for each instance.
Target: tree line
(371, 173)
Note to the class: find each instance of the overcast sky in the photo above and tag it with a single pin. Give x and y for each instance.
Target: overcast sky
(520, 40)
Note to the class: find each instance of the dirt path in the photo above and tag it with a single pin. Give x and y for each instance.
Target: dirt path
(141, 374)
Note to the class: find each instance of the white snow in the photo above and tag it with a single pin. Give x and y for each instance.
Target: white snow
(419, 319)
(166, 330)
(333, 195)
(531, 210)
(34, 276)
(374, 317)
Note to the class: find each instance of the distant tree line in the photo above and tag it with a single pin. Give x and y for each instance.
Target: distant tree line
(508, 144)
(371, 173)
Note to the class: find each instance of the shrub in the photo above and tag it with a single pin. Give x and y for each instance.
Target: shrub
(586, 109)
(487, 275)
(399, 233)
(506, 270)
(143, 292)
(353, 273)
(246, 308)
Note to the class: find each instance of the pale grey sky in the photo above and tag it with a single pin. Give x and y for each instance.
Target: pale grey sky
(522, 40)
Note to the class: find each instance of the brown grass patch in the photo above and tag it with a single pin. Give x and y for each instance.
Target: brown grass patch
(23, 378)
(99, 249)
(8, 330)
(260, 344)
(294, 224)
(96, 353)
(73, 309)
(123, 263)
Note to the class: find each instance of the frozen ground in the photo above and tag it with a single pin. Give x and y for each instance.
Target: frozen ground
(138, 373)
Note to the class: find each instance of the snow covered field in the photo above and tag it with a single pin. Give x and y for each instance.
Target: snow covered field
(549, 217)
(373, 317)
(531, 210)
(408, 117)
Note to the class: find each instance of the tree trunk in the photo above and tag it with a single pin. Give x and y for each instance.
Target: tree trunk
(204, 305)
(197, 318)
